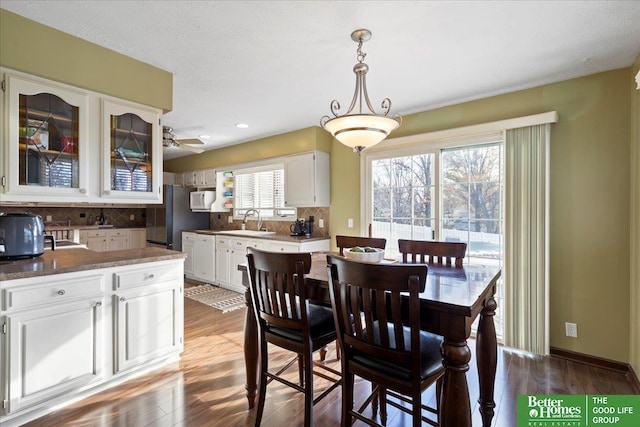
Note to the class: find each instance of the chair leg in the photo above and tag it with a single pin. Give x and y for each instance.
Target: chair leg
(308, 389)
(347, 398)
(417, 408)
(382, 396)
(301, 369)
(264, 366)
(323, 353)
(374, 402)
(439, 384)
(337, 351)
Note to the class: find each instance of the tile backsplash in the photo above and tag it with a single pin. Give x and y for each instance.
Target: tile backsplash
(119, 217)
(220, 221)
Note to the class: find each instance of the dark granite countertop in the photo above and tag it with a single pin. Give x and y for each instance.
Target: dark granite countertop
(275, 237)
(68, 261)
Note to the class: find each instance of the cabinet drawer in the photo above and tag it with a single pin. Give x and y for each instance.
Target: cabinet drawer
(113, 233)
(238, 244)
(189, 236)
(53, 291)
(145, 276)
(284, 247)
(223, 242)
(96, 233)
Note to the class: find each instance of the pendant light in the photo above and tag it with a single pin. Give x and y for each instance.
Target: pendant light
(362, 128)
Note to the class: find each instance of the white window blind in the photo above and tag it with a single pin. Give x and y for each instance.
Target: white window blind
(262, 189)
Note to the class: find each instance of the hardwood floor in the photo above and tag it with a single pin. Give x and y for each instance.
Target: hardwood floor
(207, 387)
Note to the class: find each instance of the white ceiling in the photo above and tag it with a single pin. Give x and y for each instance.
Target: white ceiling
(277, 65)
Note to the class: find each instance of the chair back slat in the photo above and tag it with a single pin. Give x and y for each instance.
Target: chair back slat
(343, 242)
(277, 287)
(424, 251)
(368, 302)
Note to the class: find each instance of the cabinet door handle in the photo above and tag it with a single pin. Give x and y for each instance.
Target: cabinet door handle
(149, 276)
(99, 304)
(122, 299)
(61, 292)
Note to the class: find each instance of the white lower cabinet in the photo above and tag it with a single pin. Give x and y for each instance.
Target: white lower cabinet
(54, 340)
(232, 251)
(118, 240)
(147, 323)
(204, 251)
(69, 335)
(114, 239)
(223, 261)
(188, 243)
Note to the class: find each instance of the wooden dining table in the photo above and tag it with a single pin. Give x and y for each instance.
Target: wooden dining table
(452, 300)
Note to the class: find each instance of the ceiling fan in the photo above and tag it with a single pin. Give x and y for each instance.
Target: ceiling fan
(169, 140)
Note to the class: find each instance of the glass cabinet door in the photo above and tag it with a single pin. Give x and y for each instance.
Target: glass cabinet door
(48, 130)
(132, 138)
(47, 140)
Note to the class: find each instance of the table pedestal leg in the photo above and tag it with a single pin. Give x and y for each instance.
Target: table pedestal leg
(250, 349)
(455, 407)
(486, 356)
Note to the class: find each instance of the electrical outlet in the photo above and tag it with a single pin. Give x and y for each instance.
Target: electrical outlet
(571, 329)
(350, 223)
(49, 218)
(320, 223)
(230, 219)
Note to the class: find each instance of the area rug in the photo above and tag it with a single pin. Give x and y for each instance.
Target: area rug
(213, 296)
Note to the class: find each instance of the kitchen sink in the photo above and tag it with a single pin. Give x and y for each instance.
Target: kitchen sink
(246, 232)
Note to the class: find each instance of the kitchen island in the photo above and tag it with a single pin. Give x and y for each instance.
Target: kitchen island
(76, 322)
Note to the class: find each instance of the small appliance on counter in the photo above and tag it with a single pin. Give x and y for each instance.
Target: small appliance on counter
(22, 236)
(302, 227)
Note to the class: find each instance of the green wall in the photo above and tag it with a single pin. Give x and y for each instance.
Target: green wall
(33, 48)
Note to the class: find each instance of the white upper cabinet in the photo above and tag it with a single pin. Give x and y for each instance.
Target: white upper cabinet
(306, 179)
(61, 144)
(132, 152)
(46, 147)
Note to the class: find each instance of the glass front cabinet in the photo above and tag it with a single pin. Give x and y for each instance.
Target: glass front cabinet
(63, 144)
(132, 152)
(47, 141)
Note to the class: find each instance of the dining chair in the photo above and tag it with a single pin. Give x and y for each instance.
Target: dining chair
(286, 319)
(351, 241)
(378, 328)
(426, 251)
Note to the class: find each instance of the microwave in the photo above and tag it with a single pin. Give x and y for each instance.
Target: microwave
(201, 201)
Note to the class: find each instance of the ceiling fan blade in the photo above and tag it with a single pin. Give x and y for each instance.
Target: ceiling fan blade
(192, 149)
(192, 141)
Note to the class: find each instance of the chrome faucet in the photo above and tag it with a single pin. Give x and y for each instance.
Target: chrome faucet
(244, 221)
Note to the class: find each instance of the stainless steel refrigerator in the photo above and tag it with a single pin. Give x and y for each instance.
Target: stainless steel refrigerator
(166, 222)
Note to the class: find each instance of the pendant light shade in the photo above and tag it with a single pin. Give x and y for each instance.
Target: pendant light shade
(360, 130)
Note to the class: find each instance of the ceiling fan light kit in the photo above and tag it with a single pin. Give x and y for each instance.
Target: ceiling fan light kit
(361, 129)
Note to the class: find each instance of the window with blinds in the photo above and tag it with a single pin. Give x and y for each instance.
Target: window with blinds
(261, 189)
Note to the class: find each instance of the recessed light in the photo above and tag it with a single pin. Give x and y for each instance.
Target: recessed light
(204, 136)
(242, 125)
